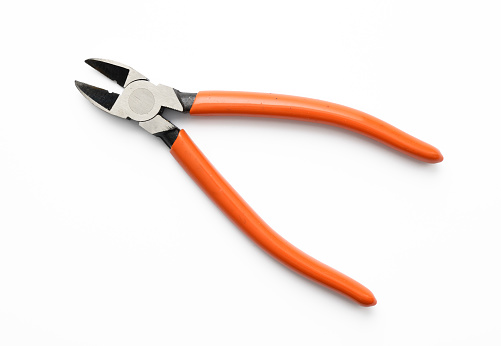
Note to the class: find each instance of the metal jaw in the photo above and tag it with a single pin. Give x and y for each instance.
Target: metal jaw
(141, 100)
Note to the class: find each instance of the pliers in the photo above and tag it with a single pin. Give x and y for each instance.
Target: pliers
(144, 102)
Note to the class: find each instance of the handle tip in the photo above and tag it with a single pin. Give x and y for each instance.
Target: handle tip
(426, 153)
(436, 156)
(360, 294)
(368, 301)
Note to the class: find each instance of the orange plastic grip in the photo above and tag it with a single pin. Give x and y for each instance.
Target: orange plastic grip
(229, 201)
(300, 108)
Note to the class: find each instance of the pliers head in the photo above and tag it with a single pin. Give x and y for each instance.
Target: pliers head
(141, 100)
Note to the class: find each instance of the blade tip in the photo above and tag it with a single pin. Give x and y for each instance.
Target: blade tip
(79, 85)
(91, 61)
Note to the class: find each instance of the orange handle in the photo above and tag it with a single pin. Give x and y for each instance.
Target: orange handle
(301, 108)
(229, 201)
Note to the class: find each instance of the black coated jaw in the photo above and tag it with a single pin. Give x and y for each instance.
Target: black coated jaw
(101, 98)
(118, 72)
(112, 71)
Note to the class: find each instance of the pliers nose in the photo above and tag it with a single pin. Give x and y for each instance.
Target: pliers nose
(143, 102)
(140, 101)
(122, 74)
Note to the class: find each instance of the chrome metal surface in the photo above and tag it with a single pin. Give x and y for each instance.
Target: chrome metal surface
(142, 100)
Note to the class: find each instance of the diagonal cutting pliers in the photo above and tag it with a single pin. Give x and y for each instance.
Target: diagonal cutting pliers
(144, 102)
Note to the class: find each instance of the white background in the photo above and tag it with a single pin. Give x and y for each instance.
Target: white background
(104, 240)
